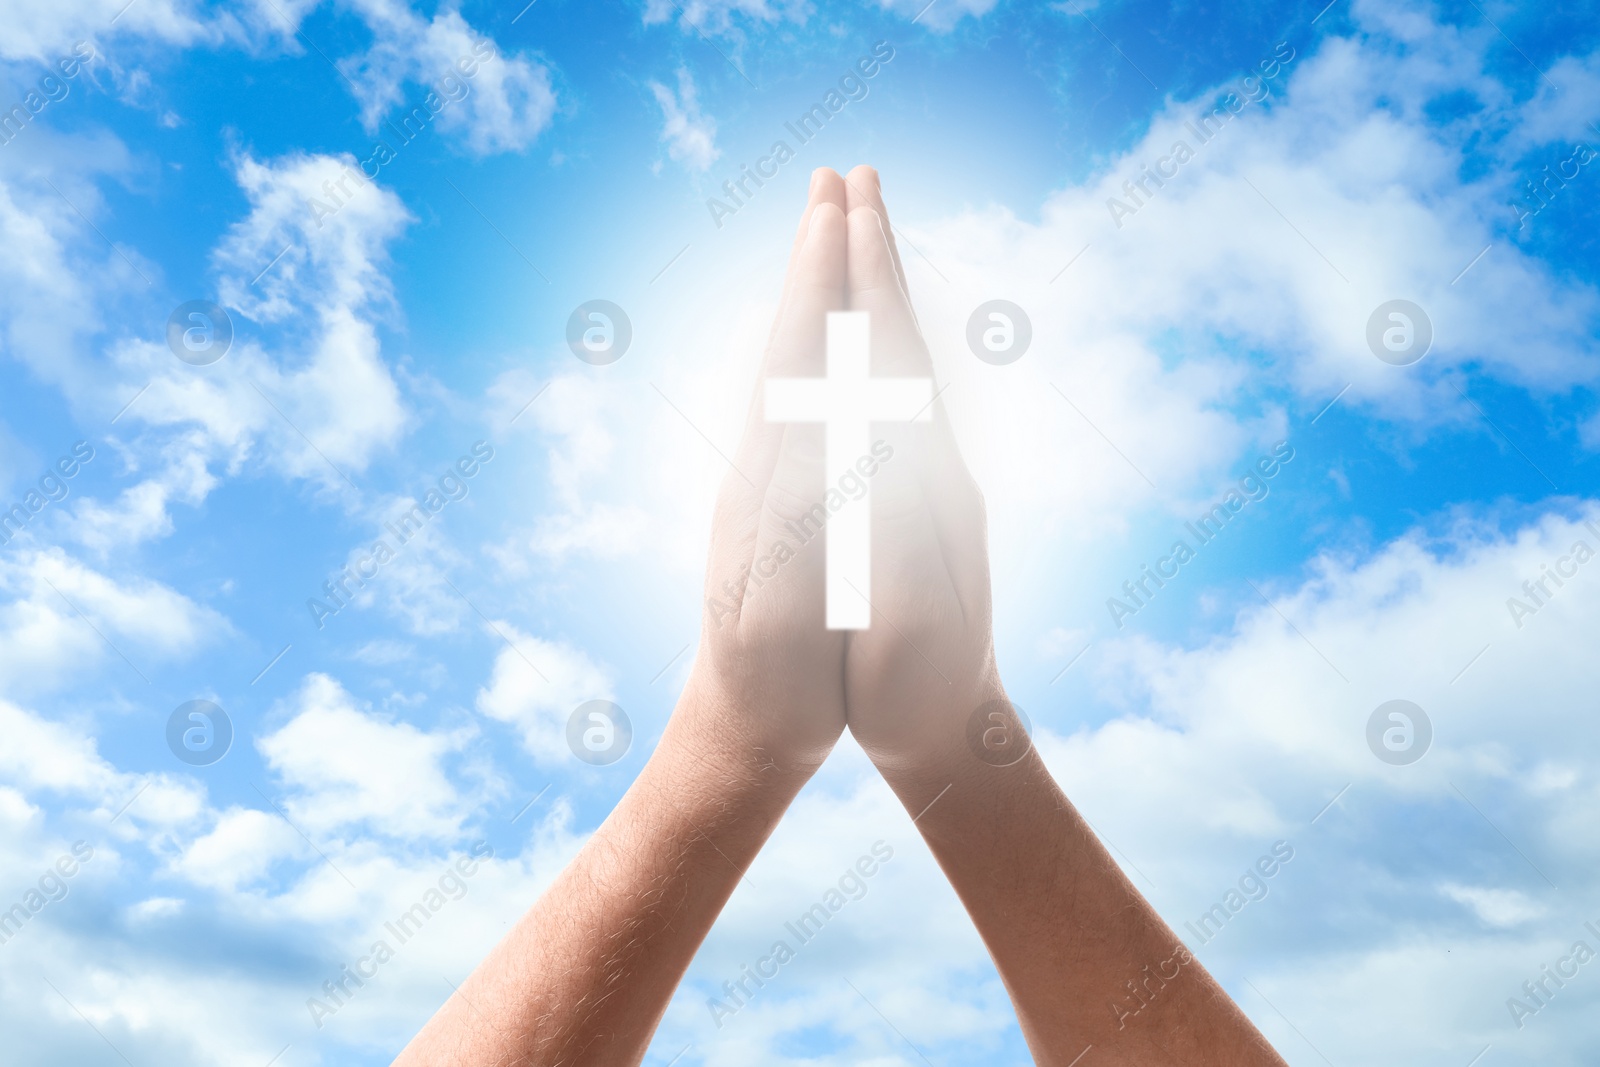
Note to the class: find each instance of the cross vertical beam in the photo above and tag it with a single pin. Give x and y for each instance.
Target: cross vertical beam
(847, 401)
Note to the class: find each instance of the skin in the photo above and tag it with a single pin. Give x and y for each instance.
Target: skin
(1068, 932)
(586, 974)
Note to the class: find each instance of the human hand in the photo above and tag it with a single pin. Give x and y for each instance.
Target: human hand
(769, 676)
(915, 679)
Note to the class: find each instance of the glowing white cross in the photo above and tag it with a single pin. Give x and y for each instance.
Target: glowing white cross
(848, 400)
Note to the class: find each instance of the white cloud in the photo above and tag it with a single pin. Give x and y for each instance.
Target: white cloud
(508, 103)
(502, 106)
(1229, 743)
(42, 636)
(321, 413)
(240, 849)
(1058, 642)
(42, 30)
(941, 15)
(329, 408)
(717, 15)
(1371, 189)
(155, 908)
(62, 759)
(124, 971)
(907, 921)
(350, 768)
(343, 396)
(141, 512)
(383, 653)
(1222, 744)
(61, 281)
(539, 706)
(582, 419)
(1498, 908)
(722, 16)
(690, 137)
(411, 578)
(1432, 599)
(39, 754)
(1565, 106)
(330, 261)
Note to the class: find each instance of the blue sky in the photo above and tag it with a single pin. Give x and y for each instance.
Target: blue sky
(1174, 344)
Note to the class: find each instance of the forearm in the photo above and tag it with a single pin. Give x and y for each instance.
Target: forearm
(586, 973)
(1085, 958)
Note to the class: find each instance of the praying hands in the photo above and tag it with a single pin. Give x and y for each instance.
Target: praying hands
(884, 628)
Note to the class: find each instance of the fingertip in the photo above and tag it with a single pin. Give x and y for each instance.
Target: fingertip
(874, 284)
(820, 270)
(861, 187)
(868, 238)
(826, 218)
(831, 210)
(865, 176)
(826, 186)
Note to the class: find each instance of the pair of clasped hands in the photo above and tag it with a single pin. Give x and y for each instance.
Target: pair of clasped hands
(907, 685)
(587, 972)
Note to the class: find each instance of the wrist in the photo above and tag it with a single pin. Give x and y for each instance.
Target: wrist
(716, 728)
(953, 740)
(709, 798)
